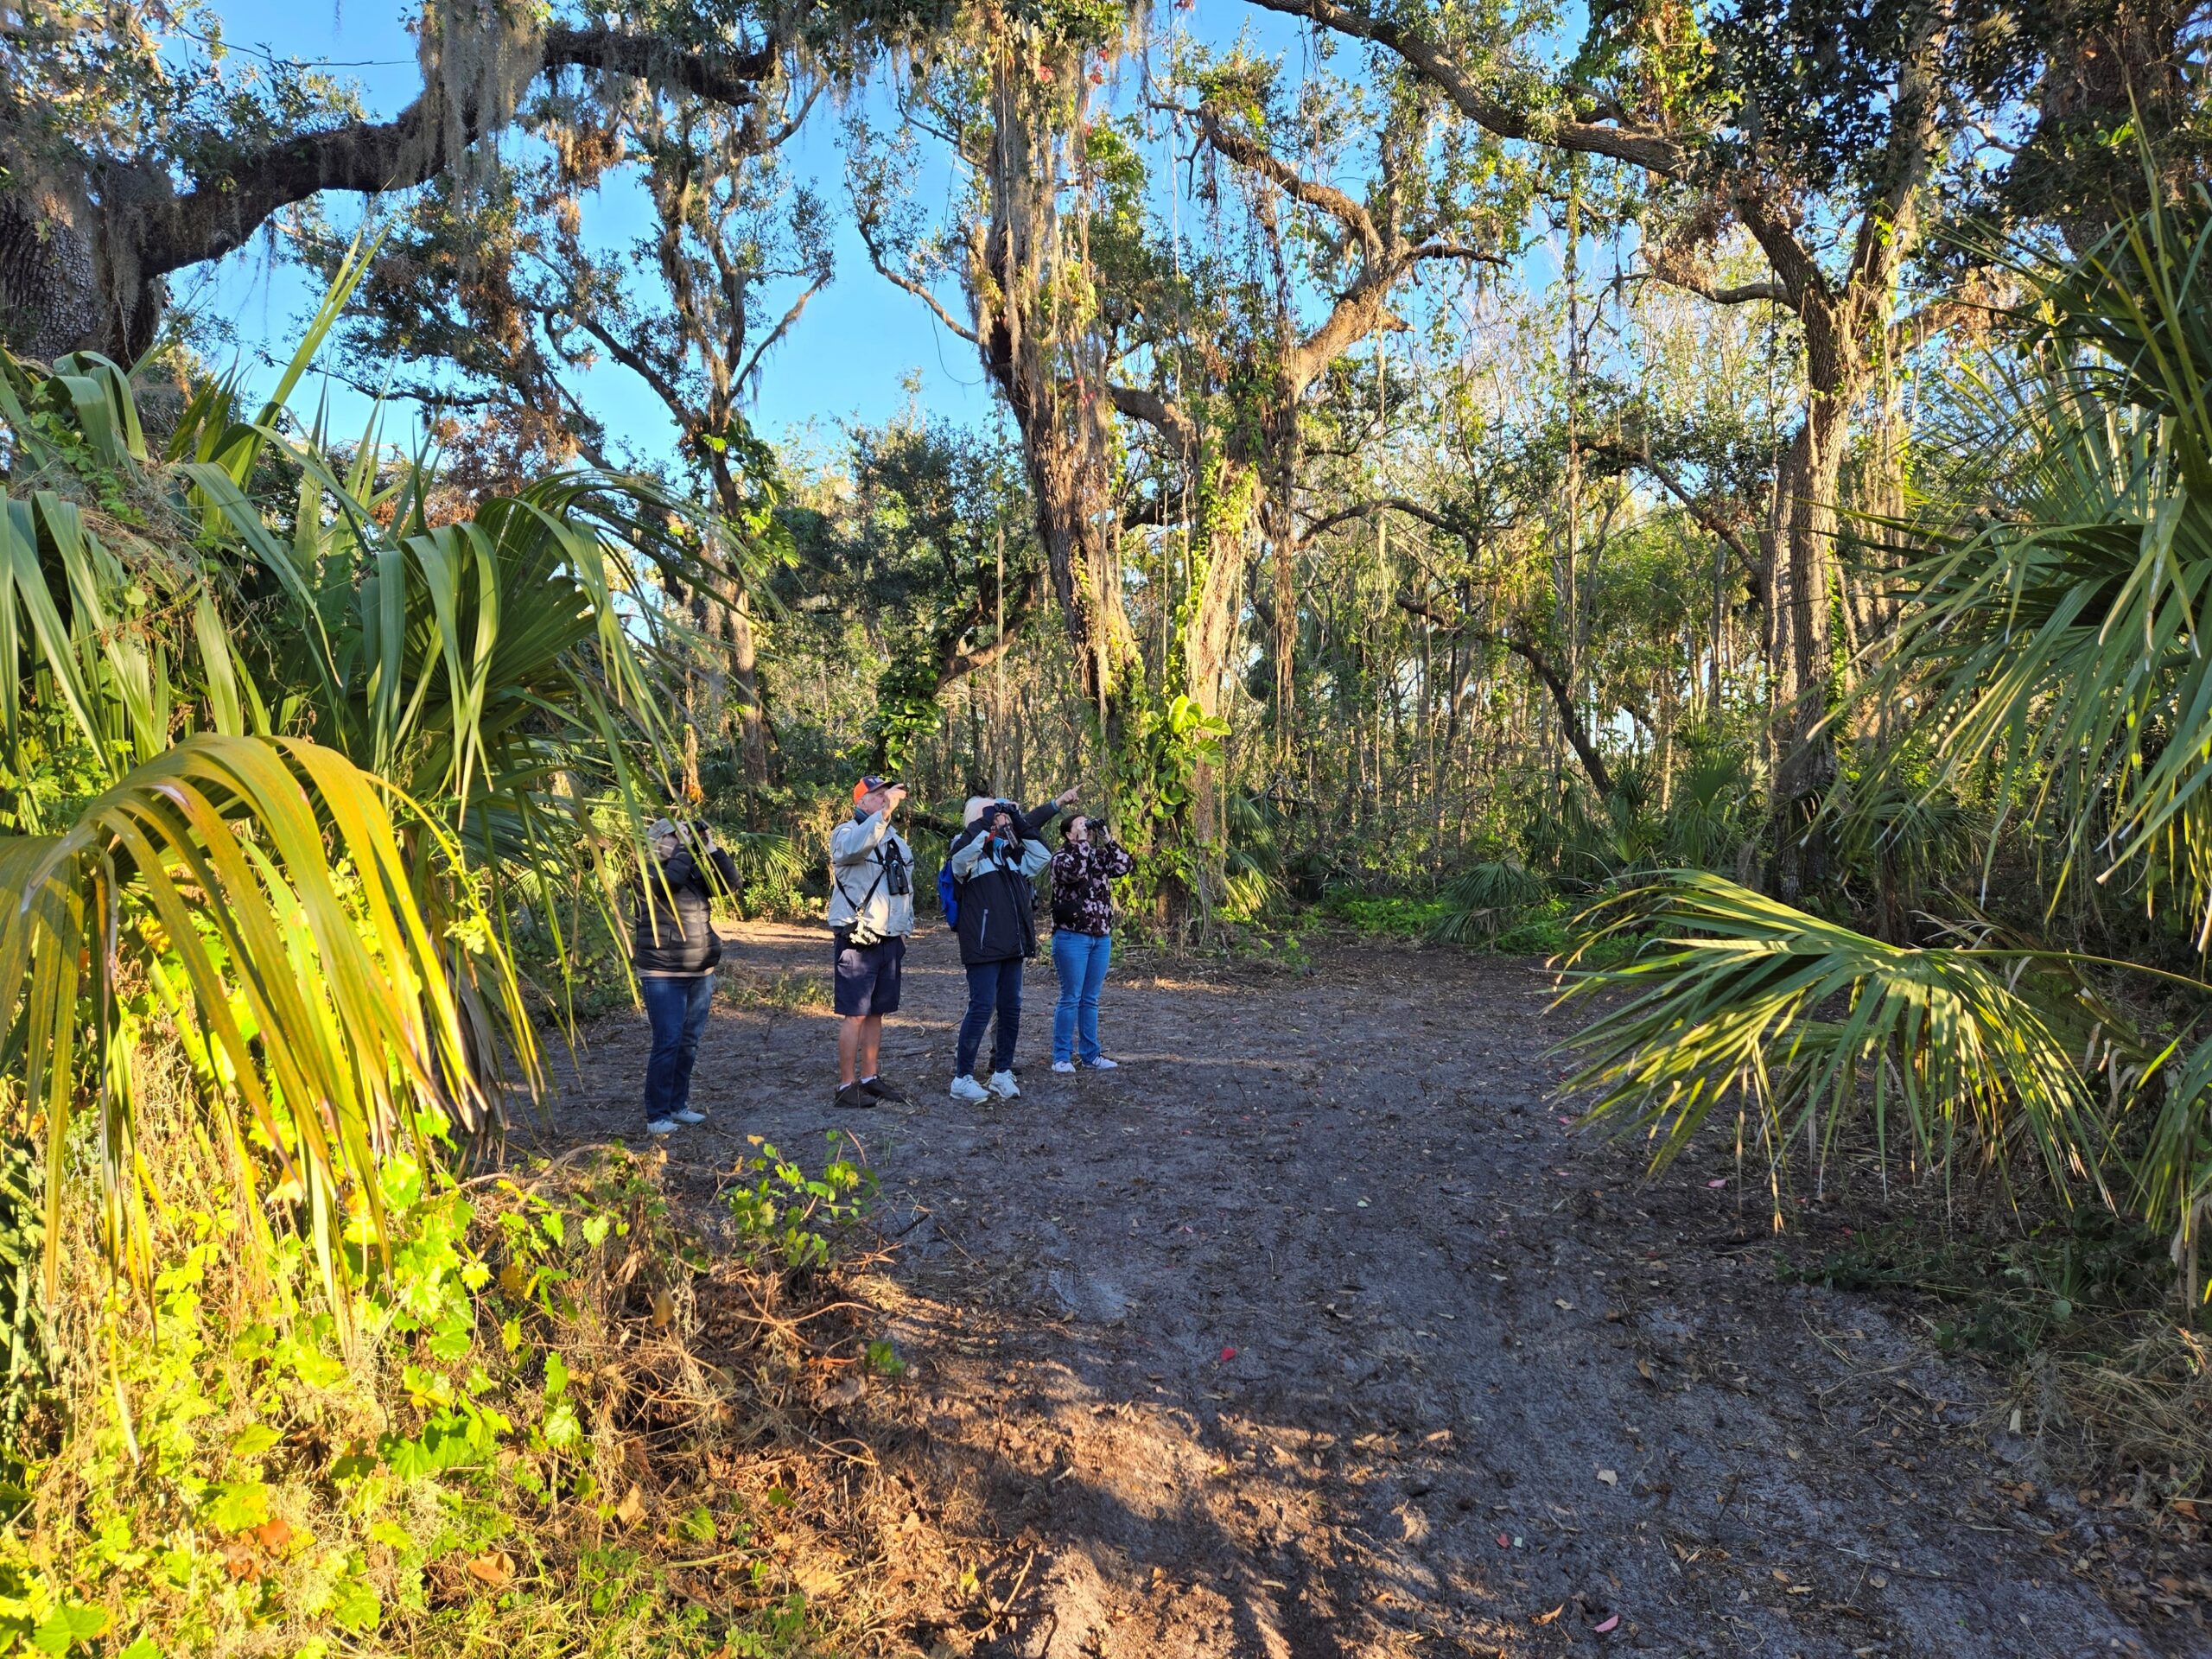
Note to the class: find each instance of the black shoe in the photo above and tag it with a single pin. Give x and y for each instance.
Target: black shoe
(886, 1091)
(853, 1096)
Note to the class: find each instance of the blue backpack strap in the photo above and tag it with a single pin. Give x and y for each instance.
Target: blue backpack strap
(948, 895)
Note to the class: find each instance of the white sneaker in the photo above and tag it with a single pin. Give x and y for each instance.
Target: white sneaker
(688, 1116)
(1003, 1085)
(969, 1089)
(661, 1126)
(1101, 1064)
(1062, 1065)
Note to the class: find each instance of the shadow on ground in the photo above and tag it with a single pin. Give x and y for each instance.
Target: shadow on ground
(1314, 1332)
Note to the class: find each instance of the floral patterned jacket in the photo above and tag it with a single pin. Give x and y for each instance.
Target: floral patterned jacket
(1081, 903)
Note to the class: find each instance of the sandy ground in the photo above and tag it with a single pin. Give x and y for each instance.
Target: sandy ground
(1314, 1331)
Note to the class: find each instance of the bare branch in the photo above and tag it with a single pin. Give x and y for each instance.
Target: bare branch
(798, 306)
(1156, 411)
(1699, 283)
(919, 291)
(645, 369)
(1437, 247)
(1428, 516)
(1247, 153)
(1656, 151)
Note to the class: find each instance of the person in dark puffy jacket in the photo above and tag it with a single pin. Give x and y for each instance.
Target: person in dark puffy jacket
(675, 948)
(995, 861)
(1082, 936)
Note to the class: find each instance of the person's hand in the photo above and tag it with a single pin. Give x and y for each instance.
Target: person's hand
(1067, 798)
(892, 797)
(705, 837)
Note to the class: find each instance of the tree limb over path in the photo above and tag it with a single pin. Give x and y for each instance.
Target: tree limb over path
(139, 226)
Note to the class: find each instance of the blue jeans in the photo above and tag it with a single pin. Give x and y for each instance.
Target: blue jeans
(990, 985)
(677, 1005)
(1080, 960)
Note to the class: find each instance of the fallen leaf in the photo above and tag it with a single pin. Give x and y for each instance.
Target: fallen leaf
(1643, 1370)
(1561, 1301)
(1611, 1624)
(1228, 1354)
(632, 1509)
(514, 1281)
(1723, 1181)
(844, 1390)
(664, 1308)
(1546, 1618)
(495, 1571)
(1606, 1477)
(1879, 1580)
(273, 1534)
(1504, 1543)
(1795, 1455)
(238, 1558)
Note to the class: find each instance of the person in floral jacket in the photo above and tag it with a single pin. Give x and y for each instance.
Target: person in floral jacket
(1083, 937)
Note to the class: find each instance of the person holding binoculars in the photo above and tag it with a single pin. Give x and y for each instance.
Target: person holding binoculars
(871, 913)
(995, 861)
(1082, 936)
(674, 948)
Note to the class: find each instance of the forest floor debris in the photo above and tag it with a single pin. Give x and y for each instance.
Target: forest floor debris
(1317, 1329)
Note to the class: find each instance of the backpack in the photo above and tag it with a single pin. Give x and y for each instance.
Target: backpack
(948, 894)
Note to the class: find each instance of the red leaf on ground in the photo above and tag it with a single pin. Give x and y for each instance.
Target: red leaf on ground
(1228, 1354)
(1610, 1623)
(1723, 1181)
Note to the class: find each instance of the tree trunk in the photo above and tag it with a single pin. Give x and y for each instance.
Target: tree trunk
(745, 682)
(1803, 605)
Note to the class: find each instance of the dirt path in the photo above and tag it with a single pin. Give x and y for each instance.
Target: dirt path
(1312, 1331)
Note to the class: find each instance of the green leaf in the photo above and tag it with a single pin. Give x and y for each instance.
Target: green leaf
(355, 1606)
(68, 1624)
(239, 1504)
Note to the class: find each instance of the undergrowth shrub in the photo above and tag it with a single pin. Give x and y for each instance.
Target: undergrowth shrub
(521, 1432)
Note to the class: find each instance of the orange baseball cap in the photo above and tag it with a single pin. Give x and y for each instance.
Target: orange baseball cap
(867, 786)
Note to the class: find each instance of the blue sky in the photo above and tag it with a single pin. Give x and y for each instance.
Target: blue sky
(854, 355)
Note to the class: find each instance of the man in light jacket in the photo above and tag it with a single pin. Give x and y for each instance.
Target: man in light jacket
(995, 863)
(871, 913)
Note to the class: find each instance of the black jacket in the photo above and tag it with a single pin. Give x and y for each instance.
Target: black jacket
(998, 895)
(673, 932)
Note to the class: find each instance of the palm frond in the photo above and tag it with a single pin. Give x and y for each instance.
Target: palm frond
(258, 884)
(1484, 898)
(1739, 999)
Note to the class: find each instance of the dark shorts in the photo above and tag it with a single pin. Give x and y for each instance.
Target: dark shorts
(867, 975)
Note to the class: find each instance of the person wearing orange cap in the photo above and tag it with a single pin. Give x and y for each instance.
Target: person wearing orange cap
(871, 913)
